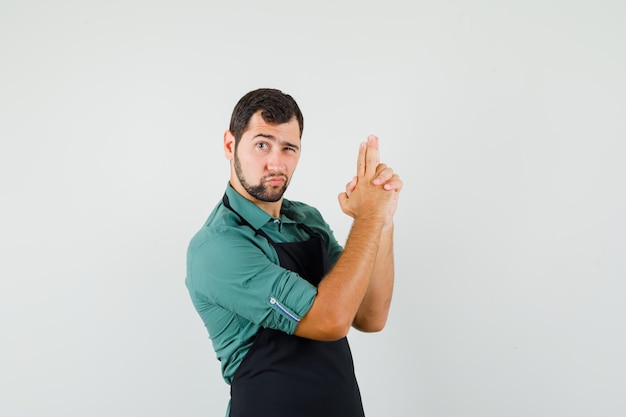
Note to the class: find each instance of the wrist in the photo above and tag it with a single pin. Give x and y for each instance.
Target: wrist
(372, 218)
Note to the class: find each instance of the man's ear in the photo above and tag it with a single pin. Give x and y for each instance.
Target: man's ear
(229, 145)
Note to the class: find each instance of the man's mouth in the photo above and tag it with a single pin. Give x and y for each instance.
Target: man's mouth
(276, 181)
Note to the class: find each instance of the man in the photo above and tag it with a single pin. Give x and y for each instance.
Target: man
(275, 290)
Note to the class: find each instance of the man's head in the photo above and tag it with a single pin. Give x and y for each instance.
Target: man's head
(276, 107)
(263, 145)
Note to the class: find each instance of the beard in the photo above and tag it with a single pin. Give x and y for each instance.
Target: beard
(262, 191)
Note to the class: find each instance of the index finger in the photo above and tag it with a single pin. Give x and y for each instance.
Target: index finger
(372, 157)
(360, 162)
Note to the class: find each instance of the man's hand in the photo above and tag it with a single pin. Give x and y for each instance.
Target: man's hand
(357, 290)
(383, 177)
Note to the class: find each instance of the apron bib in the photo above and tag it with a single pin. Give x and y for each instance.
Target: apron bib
(288, 376)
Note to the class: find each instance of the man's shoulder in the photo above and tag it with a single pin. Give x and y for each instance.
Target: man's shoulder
(221, 223)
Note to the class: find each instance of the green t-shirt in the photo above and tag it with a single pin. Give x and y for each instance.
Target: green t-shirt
(233, 273)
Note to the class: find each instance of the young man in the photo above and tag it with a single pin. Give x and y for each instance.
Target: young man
(275, 290)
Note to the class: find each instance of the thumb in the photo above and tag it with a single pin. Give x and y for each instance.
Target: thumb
(343, 198)
(343, 204)
(351, 186)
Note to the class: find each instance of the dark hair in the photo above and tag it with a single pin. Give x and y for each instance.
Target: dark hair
(276, 107)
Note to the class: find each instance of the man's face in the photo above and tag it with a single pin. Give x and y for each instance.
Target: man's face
(265, 158)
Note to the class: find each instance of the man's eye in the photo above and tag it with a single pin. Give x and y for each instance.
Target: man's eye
(262, 145)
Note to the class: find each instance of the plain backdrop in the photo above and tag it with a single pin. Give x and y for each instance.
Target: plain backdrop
(506, 120)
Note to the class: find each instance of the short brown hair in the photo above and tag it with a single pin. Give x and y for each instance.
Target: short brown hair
(276, 107)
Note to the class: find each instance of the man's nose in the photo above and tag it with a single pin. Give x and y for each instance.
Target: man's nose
(275, 162)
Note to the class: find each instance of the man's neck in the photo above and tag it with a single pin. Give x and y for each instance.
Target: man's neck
(271, 208)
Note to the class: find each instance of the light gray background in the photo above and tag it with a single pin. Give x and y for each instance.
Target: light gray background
(506, 120)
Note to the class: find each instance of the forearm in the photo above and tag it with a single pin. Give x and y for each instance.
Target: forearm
(372, 313)
(370, 198)
(341, 292)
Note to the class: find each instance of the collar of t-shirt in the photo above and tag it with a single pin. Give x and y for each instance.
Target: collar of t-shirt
(256, 216)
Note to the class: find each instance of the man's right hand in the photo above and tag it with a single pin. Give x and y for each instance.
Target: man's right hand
(373, 192)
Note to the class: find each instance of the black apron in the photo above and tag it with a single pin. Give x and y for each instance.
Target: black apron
(288, 376)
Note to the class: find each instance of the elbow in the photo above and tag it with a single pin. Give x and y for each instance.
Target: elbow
(370, 324)
(327, 328)
(372, 329)
(335, 329)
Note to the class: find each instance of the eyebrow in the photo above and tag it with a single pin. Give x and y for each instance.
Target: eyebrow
(273, 138)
